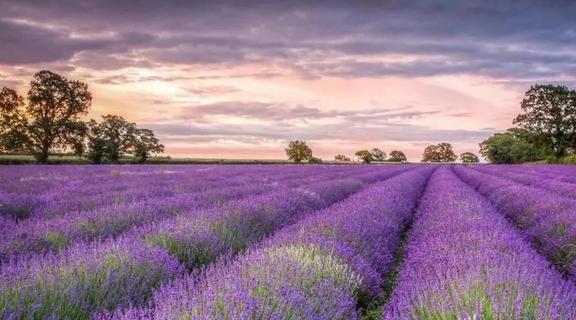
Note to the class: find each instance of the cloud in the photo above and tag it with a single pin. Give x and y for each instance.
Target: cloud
(500, 39)
(276, 122)
(283, 112)
(25, 44)
(169, 61)
(344, 132)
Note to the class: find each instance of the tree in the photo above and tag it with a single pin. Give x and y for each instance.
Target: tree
(298, 150)
(11, 120)
(342, 158)
(469, 157)
(75, 140)
(314, 160)
(397, 156)
(364, 155)
(144, 143)
(43, 124)
(549, 114)
(510, 148)
(441, 152)
(378, 155)
(96, 142)
(113, 137)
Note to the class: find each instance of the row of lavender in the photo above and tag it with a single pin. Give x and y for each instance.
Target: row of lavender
(37, 235)
(465, 261)
(319, 268)
(44, 193)
(122, 271)
(559, 180)
(544, 214)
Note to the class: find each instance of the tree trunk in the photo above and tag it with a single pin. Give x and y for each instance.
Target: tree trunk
(42, 156)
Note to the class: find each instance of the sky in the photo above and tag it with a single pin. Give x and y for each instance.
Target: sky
(239, 79)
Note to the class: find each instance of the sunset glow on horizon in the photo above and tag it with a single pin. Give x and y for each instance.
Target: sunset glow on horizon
(239, 79)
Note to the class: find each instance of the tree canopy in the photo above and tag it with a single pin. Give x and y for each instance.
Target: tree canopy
(364, 155)
(54, 105)
(469, 157)
(549, 117)
(342, 158)
(377, 154)
(509, 147)
(397, 156)
(298, 150)
(114, 137)
(368, 156)
(441, 152)
(50, 119)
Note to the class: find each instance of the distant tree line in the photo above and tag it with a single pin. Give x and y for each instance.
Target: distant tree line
(377, 155)
(298, 151)
(49, 120)
(545, 129)
(443, 152)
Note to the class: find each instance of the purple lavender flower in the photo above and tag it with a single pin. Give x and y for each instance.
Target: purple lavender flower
(465, 261)
(318, 268)
(545, 217)
(84, 279)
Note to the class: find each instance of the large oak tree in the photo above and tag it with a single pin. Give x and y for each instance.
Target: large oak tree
(48, 119)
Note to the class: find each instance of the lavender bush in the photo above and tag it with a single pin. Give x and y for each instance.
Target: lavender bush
(87, 278)
(545, 217)
(319, 268)
(465, 261)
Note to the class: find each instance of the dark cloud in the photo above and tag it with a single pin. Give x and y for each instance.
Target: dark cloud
(25, 44)
(508, 40)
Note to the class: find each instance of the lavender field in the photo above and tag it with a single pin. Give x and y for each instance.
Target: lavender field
(288, 242)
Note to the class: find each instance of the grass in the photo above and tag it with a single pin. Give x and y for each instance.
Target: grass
(374, 310)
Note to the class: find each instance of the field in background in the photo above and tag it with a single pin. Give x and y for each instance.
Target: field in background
(288, 242)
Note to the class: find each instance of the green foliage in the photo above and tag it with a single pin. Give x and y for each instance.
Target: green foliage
(144, 143)
(469, 157)
(11, 119)
(341, 158)
(484, 302)
(549, 117)
(571, 159)
(510, 148)
(314, 160)
(77, 133)
(397, 156)
(56, 240)
(50, 121)
(298, 150)
(189, 251)
(441, 152)
(114, 137)
(368, 156)
(76, 290)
